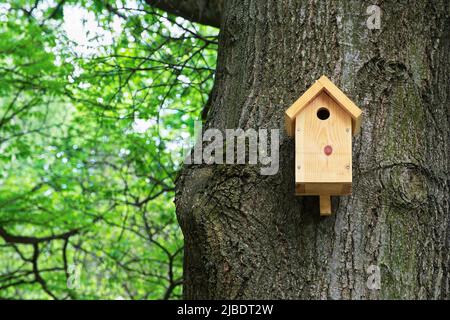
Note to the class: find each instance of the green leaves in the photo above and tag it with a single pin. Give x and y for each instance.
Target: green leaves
(90, 143)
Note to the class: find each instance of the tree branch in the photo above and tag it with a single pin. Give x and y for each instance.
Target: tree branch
(9, 238)
(36, 273)
(208, 12)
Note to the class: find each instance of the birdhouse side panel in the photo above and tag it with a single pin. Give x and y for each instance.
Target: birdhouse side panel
(323, 143)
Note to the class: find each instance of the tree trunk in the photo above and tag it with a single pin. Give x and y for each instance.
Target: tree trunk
(247, 236)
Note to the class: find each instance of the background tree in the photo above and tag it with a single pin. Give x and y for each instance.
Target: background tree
(95, 100)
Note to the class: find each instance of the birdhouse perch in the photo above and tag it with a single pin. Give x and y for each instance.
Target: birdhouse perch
(323, 121)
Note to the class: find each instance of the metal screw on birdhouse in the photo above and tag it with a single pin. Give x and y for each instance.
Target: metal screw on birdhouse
(347, 130)
(347, 167)
(298, 167)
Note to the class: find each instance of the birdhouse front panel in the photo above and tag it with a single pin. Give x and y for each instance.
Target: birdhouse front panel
(322, 121)
(323, 148)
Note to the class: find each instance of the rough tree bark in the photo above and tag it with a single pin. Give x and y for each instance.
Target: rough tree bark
(247, 235)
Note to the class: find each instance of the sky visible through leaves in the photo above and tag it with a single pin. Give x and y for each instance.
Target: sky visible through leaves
(97, 98)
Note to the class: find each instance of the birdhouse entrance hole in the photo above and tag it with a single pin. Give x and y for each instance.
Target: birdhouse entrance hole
(323, 113)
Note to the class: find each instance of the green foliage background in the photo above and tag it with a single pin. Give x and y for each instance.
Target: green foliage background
(90, 145)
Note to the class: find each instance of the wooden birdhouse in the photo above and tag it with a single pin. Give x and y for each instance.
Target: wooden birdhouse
(323, 121)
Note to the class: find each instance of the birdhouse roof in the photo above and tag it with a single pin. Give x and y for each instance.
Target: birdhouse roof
(323, 84)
